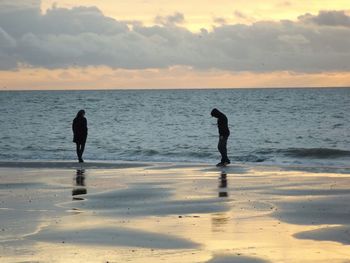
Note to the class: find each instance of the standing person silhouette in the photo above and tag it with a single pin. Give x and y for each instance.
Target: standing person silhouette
(80, 132)
(224, 133)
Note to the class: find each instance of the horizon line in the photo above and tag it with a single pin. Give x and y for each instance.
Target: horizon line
(189, 88)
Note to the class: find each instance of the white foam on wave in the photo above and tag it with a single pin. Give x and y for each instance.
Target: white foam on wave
(71, 164)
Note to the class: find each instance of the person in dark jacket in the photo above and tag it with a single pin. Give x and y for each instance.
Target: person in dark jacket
(80, 132)
(224, 133)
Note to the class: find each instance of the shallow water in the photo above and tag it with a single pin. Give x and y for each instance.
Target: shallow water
(284, 126)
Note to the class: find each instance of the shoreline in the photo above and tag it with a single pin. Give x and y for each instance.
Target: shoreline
(91, 164)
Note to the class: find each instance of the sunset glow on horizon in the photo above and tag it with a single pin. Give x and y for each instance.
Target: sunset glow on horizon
(184, 44)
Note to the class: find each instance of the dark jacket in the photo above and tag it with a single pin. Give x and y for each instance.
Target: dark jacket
(80, 130)
(222, 123)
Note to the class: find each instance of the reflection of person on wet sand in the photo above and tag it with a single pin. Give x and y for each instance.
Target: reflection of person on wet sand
(80, 178)
(220, 220)
(80, 182)
(223, 185)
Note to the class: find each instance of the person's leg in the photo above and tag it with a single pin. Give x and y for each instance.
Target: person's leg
(82, 148)
(222, 146)
(227, 160)
(78, 149)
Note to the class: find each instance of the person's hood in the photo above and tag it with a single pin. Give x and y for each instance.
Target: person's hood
(216, 113)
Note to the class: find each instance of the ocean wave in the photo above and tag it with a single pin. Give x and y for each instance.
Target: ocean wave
(317, 153)
(197, 155)
(250, 158)
(143, 152)
(154, 155)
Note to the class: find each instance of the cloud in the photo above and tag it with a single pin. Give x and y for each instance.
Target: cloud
(220, 20)
(284, 4)
(177, 18)
(7, 44)
(239, 14)
(84, 36)
(243, 18)
(6, 41)
(18, 4)
(59, 21)
(328, 18)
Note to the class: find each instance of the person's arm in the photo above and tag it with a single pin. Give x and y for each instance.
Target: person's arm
(85, 126)
(74, 130)
(73, 127)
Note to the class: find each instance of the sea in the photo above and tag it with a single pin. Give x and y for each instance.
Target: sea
(301, 126)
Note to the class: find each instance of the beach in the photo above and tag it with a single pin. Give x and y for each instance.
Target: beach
(173, 212)
(179, 132)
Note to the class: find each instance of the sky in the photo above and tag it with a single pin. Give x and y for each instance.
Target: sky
(127, 44)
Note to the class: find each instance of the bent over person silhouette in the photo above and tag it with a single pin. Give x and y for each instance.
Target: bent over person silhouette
(80, 132)
(224, 133)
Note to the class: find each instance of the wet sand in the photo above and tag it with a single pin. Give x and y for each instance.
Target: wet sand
(173, 213)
